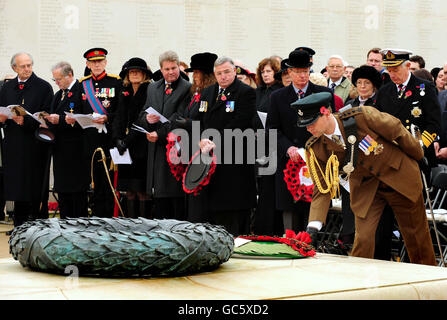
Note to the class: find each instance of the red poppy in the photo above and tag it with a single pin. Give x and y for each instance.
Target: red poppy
(408, 93)
(324, 110)
(223, 97)
(126, 93)
(84, 97)
(69, 94)
(20, 86)
(168, 91)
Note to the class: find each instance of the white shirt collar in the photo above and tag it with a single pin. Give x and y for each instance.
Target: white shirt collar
(406, 82)
(336, 130)
(304, 89)
(337, 83)
(71, 84)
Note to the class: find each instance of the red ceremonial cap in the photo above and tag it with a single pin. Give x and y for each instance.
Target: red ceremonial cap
(95, 54)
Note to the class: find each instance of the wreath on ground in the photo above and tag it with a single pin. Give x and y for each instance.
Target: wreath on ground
(120, 247)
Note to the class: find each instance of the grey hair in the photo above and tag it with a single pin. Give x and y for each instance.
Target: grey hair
(222, 60)
(336, 56)
(65, 67)
(13, 59)
(169, 56)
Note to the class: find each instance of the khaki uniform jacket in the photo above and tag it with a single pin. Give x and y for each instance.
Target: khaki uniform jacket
(395, 166)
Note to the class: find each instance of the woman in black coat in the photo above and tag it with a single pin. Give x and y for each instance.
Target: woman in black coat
(132, 178)
(268, 220)
(202, 66)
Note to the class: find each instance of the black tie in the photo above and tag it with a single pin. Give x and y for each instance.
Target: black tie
(333, 85)
(300, 93)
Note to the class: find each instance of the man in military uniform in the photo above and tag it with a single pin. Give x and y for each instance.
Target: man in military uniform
(414, 102)
(99, 97)
(379, 158)
(25, 159)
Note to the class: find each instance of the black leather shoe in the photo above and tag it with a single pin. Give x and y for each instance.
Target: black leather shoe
(313, 233)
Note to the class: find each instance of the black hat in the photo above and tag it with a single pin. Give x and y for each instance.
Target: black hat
(310, 51)
(203, 62)
(278, 74)
(95, 54)
(367, 72)
(394, 57)
(299, 59)
(135, 63)
(309, 108)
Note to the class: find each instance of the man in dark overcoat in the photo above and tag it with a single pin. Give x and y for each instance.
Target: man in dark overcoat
(291, 137)
(25, 159)
(228, 107)
(71, 176)
(100, 97)
(168, 96)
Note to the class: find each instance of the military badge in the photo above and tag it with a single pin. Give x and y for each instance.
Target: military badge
(416, 112)
(203, 106)
(106, 103)
(230, 106)
(379, 149)
(422, 89)
(368, 145)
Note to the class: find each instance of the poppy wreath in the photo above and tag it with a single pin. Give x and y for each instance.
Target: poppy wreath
(205, 181)
(298, 190)
(299, 242)
(172, 155)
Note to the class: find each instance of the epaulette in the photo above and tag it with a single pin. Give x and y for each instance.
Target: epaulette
(310, 142)
(114, 76)
(85, 78)
(350, 112)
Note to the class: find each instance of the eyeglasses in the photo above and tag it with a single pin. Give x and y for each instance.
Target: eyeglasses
(58, 79)
(335, 67)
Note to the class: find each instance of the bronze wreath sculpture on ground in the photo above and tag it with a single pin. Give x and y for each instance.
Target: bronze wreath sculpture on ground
(120, 247)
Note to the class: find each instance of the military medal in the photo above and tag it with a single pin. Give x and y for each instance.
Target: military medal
(379, 149)
(416, 112)
(106, 103)
(422, 92)
(368, 145)
(229, 106)
(349, 167)
(203, 106)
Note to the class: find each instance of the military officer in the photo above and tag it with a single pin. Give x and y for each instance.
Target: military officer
(414, 102)
(378, 157)
(99, 97)
(25, 159)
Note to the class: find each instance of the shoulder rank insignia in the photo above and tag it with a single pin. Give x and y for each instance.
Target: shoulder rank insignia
(114, 76)
(85, 78)
(310, 142)
(351, 112)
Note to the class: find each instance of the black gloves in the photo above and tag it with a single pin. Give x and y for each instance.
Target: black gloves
(313, 233)
(182, 122)
(121, 146)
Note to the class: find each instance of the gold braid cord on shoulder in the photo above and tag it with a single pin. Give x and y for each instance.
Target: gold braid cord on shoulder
(330, 176)
(103, 159)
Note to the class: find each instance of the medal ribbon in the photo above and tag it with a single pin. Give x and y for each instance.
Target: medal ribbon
(92, 99)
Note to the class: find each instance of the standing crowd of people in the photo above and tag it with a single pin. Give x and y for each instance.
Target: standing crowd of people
(139, 110)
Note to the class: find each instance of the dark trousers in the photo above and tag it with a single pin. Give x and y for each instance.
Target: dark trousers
(169, 208)
(29, 210)
(73, 204)
(102, 201)
(297, 219)
(236, 222)
(267, 220)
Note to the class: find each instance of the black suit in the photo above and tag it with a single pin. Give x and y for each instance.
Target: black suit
(25, 158)
(283, 118)
(232, 189)
(71, 175)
